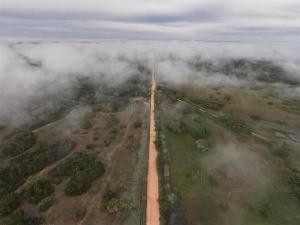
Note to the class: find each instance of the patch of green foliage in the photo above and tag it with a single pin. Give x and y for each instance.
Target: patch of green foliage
(78, 161)
(77, 184)
(234, 124)
(18, 141)
(176, 125)
(37, 190)
(81, 181)
(46, 203)
(83, 169)
(20, 218)
(164, 205)
(31, 162)
(184, 121)
(9, 203)
(112, 201)
(197, 127)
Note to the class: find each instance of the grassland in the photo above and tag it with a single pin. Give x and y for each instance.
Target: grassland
(245, 175)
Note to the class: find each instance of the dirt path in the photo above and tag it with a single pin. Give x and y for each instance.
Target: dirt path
(152, 213)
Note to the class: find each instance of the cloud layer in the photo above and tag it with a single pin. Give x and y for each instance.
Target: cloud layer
(31, 71)
(217, 20)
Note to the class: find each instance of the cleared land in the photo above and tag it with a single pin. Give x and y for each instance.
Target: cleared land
(82, 162)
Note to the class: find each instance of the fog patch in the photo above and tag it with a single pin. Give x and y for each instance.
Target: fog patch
(31, 72)
(237, 167)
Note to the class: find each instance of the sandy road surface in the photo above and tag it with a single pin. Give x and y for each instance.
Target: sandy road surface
(152, 211)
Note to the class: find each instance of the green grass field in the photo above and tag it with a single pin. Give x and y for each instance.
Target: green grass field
(227, 192)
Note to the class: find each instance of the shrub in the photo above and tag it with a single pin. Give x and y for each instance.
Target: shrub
(9, 203)
(19, 141)
(46, 203)
(198, 127)
(83, 169)
(111, 199)
(37, 190)
(81, 181)
(113, 205)
(20, 218)
(31, 162)
(77, 162)
(176, 126)
(77, 184)
(234, 124)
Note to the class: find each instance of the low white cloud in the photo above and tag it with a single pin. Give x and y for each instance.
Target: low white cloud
(35, 70)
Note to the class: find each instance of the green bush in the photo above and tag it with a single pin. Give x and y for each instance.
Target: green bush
(37, 190)
(81, 181)
(111, 200)
(31, 162)
(46, 203)
(20, 218)
(77, 184)
(9, 203)
(197, 127)
(176, 125)
(83, 169)
(76, 162)
(234, 124)
(113, 205)
(19, 141)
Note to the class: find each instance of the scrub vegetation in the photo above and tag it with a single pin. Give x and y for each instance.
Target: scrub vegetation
(211, 157)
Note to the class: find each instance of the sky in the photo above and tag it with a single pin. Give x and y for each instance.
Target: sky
(204, 20)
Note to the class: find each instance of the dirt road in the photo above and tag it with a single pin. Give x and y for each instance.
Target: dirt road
(152, 213)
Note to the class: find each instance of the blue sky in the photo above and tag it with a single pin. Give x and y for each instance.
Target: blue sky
(207, 20)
